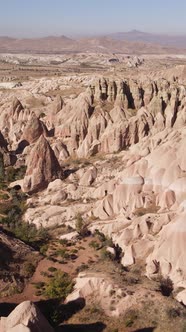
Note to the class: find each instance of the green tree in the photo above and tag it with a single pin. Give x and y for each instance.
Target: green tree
(81, 226)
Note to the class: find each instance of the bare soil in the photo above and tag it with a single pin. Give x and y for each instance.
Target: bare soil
(85, 255)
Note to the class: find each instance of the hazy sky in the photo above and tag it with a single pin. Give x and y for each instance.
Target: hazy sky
(33, 18)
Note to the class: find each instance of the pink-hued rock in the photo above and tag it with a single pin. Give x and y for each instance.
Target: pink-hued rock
(170, 252)
(88, 177)
(33, 130)
(42, 167)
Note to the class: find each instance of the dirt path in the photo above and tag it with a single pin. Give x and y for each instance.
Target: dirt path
(85, 255)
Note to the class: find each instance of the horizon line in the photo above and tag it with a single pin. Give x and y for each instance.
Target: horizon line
(81, 35)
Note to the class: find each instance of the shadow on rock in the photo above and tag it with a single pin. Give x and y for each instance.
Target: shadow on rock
(56, 313)
(95, 327)
(6, 308)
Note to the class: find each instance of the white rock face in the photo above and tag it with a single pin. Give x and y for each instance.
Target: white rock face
(181, 297)
(169, 251)
(8, 85)
(88, 177)
(19, 328)
(24, 318)
(99, 287)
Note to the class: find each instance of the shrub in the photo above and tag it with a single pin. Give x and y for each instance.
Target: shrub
(4, 197)
(13, 174)
(59, 286)
(166, 286)
(105, 254)
(94, 244)
(74, 251)
(62, 253)
(81, 226)
(29, 269)
(63, 242)
(52, 269)
(38, 293)
(25, 231)
(82, 268)
(44, 274)
(39, 285)
(43, 249)
(100, 235)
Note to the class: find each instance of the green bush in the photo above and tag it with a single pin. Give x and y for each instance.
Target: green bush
(59, 286)
(38, 293)
(100, 235)
(82, 268)
(94, 244)
(81, 226)
(13, 174)
(39, 285)
(29, 269)
(4, 196)
(105, 254)
(43, 249)
(63, 242)
(62, 253)
(74, 251)
(52, 269)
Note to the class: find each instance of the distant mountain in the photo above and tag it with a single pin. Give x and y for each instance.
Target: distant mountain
(134, 42)
(160, 39)
(49, 44)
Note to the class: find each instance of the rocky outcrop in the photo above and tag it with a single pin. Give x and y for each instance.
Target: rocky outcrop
(7, 159)
(169, 255)
(88, 177)
(13, 121)
(133, 187)
(24, 318)
(17, 107)
(42, 167)
(33, 130)
(101, 289)
(113, 115)
(60, 150)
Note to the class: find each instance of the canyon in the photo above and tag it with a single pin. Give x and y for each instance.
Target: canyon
(95, 153)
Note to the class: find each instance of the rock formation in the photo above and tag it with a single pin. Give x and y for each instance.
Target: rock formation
(33, 130)
(131, 188)
(42, 167)
(111, 115)
(24, 318)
